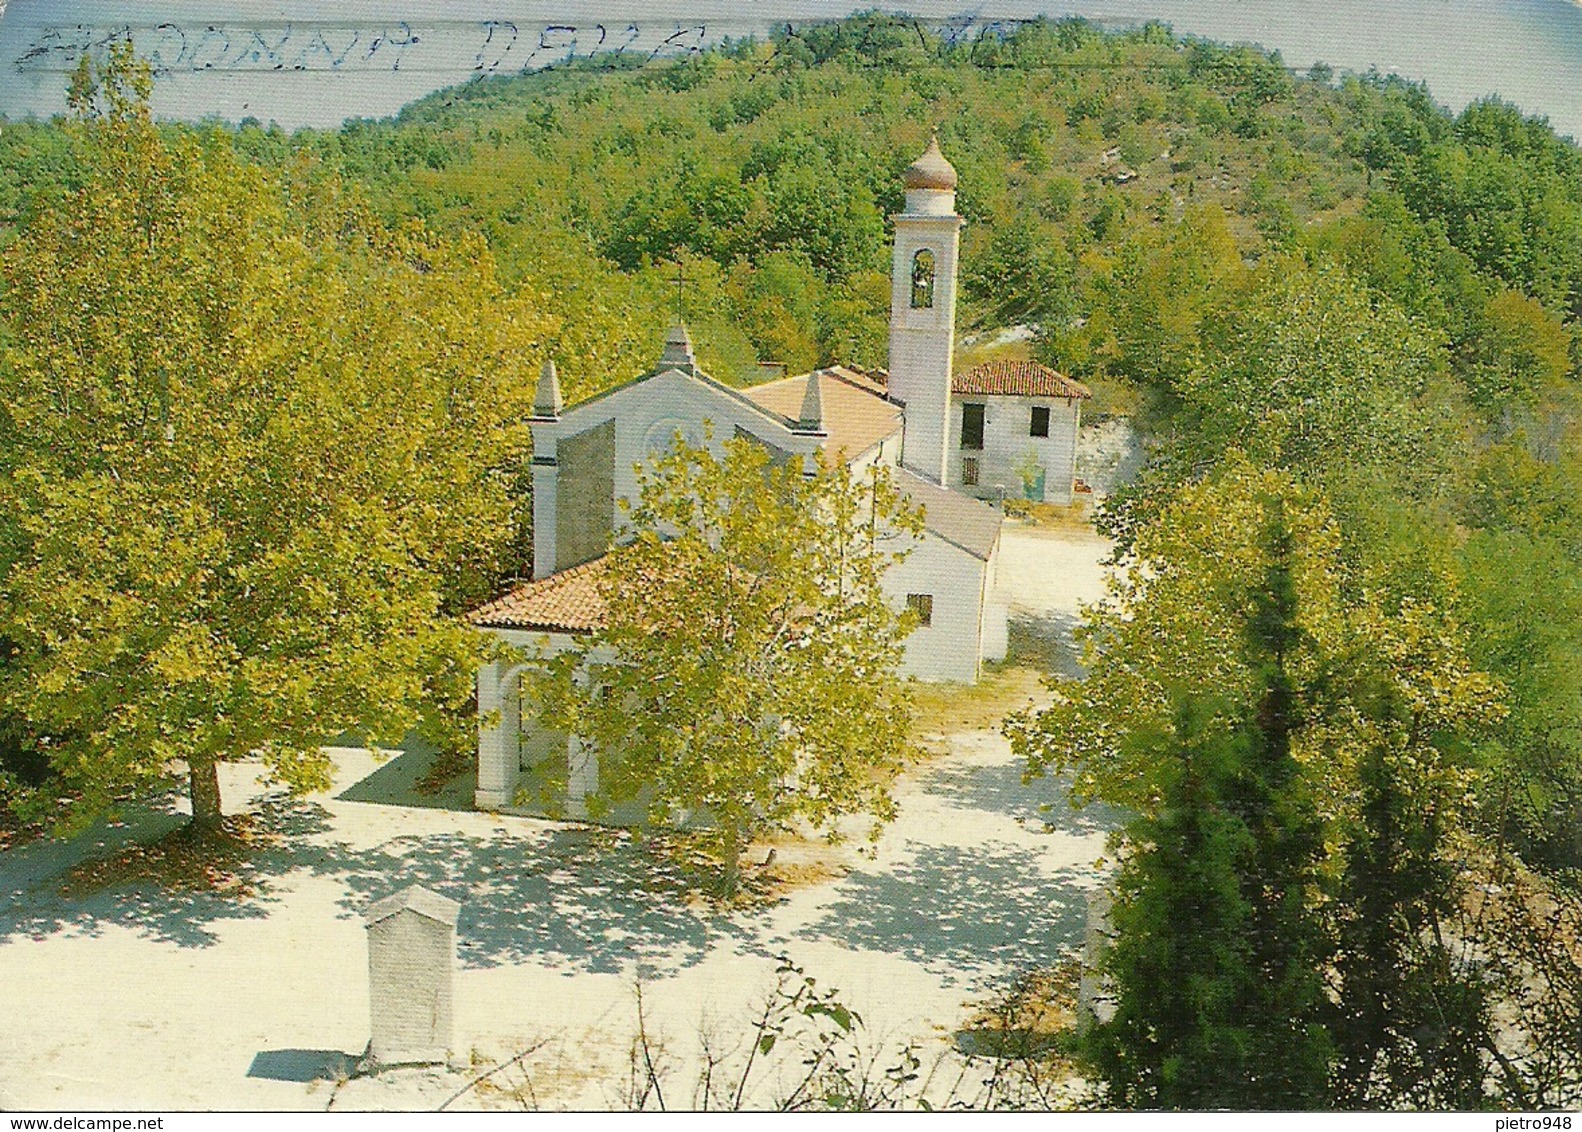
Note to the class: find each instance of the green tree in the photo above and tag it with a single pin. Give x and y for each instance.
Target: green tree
(1309, 372)
(1196, 1019)
(748, 670)
(1256, 708)
(258, 447)
(1532, 637)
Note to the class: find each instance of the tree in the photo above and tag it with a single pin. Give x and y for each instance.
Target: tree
(1286, 740)
(1306, 371)
(747, 673)
(1192, 1026)
(258, 447)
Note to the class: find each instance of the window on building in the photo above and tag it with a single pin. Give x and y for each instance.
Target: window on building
(923, 280)
(923, 606)
(969, 471)
(1040, 422)
(972, 427)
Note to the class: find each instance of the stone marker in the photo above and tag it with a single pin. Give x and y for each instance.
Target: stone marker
(411, 973)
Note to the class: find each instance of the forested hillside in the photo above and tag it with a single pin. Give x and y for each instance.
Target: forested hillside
(1344, 319)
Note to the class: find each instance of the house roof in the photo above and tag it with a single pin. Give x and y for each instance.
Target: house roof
(856, 413)
(959, 519)
(567, 602)
(1016, 379)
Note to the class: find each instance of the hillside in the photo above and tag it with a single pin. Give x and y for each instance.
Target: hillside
(768, 172)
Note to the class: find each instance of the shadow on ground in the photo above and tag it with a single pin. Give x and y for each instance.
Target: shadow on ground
(395, 782)
(302, 1064)
(34, 905)
(998, 788)
(584, 899)
(1043, 641)
(954, 910)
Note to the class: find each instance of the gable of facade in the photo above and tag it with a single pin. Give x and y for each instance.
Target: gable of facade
(585, 457)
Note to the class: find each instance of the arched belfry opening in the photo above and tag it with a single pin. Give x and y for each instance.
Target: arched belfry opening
(923, 266)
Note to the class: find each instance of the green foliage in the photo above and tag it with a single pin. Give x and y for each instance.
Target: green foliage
(1529, 634)
(1293, 746)
(1199, 1023)
(747, 670)
(1295, 365)
(258, 446)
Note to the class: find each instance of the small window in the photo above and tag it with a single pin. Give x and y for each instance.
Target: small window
(972, 427)
(969, 471)
(1040, 422)
(923, 606)
(923, 280)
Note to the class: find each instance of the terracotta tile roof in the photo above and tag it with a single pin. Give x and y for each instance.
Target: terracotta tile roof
(856, 414)
(1016, 379)
(567, 602)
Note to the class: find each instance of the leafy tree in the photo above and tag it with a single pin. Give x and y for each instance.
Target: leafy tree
(747, 670)
(1308, 372)
(258, 446)
(1523, 352)
(1530, 636)
(1255, 709)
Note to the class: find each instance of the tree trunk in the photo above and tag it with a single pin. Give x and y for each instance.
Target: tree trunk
(204, 778)
(732, 854)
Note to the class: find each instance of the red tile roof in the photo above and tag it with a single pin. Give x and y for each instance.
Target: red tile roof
(567, 602)
(856, 414)
(1016, 379)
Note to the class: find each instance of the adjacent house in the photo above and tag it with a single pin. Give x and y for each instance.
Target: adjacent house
(1016, 427)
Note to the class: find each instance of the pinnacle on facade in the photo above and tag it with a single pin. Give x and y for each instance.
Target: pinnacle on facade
(678, 350)
(811, 418)
(547, 401)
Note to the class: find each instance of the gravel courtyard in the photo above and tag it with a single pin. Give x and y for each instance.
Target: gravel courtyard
(133, 997)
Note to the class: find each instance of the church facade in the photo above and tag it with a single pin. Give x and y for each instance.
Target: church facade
(949, 452)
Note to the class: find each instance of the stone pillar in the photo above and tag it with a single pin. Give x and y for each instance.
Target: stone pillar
(582, 763)
(499, 758)
(411, 977)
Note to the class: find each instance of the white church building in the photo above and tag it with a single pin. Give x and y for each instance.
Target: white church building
(954, 440)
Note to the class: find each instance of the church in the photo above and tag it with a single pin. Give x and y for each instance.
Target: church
(953, 440)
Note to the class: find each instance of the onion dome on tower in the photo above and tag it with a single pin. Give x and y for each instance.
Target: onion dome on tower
(931, 171)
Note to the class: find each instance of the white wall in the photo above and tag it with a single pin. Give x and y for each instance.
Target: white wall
(514, 740)
(947, 650)
(1006, 444)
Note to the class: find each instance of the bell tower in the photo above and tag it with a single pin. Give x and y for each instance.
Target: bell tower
(923, 310)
